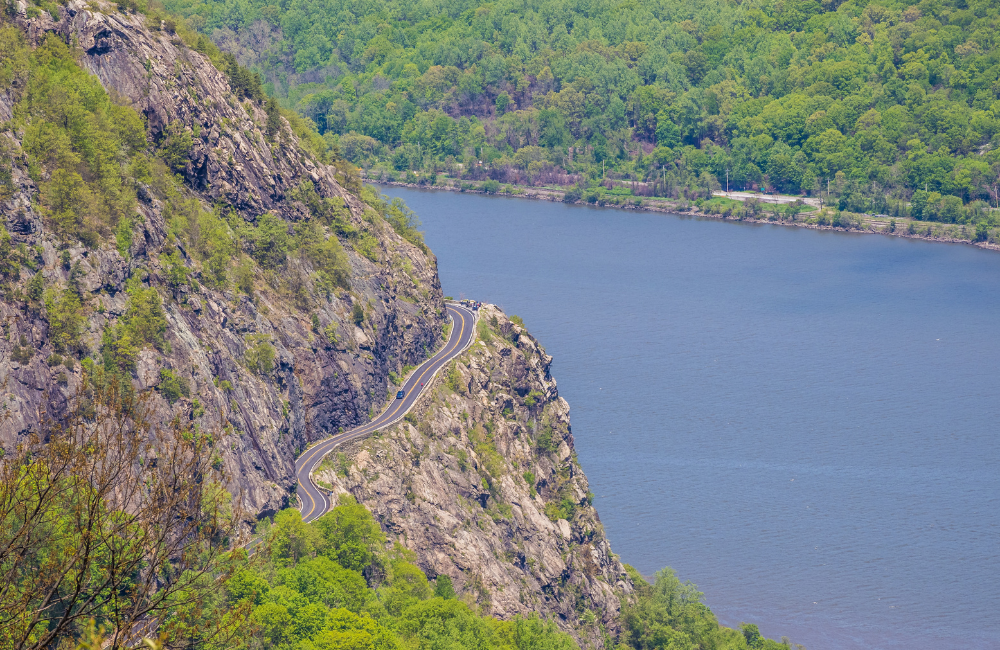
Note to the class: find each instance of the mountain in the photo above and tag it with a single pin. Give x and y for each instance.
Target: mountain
(887, 107)
(158, 231)
(194, 287)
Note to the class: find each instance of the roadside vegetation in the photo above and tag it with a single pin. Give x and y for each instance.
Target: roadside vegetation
(333, 584)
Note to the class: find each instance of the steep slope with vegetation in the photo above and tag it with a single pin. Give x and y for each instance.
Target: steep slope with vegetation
(481, 480)
(335, 583)
(193, 286)
(875, 102)
(166, 232)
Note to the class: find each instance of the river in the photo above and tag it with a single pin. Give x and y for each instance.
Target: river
(803, 423)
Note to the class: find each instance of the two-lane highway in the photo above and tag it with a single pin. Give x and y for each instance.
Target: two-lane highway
(314, 500)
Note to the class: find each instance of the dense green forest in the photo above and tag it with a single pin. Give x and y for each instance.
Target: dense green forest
(873, 102)
(332, 584)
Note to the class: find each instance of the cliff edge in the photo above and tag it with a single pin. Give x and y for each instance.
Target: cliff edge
(167, 227)
(233, 275)
(482, 482)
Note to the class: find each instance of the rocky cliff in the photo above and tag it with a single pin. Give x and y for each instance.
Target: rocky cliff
(481, 480)
(332, 350)
(296, 330)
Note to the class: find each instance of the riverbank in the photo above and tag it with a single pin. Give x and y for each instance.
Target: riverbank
(738, 209)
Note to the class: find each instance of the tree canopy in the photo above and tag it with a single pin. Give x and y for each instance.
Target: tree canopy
(866, 99)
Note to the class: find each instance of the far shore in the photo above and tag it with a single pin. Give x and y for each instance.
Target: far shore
(861, 223)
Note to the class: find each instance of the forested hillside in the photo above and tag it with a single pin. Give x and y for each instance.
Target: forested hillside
(873, 101)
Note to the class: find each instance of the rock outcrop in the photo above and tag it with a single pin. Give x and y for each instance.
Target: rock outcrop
(317, 385)
(481, 480)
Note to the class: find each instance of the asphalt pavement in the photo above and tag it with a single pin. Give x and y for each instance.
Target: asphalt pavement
(314, 500)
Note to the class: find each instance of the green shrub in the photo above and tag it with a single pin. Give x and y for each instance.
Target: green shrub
(572, 195)
(358, 313)
(529, 479)
(259, 356)
(485, 334)
(175, 146)
(244, 275)
(10, 258)
(123, 236)
(64, 311)
(22, 352)
(563, 509)
(343, 465)
(546, 440)
(326, 255)
(403, 221)
(454, 378)
(172, 386)
(270, 243)
(36, 288)
(532, 398)
(144, 316)
(119, 348)
(443, 588)
(177, 272)
(367, 245)
(330, 332)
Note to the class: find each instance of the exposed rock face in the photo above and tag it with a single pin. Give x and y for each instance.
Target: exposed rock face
(315, 386)
(154, 73)
(482, 482)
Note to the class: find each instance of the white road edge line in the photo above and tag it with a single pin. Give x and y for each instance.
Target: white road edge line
(323, 492)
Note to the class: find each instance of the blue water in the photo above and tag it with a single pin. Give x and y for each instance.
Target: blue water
(803, 423)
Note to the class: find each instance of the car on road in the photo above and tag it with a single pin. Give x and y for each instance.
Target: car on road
(401, 394)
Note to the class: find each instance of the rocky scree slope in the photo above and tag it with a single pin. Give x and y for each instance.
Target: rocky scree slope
(270, 366)
(481, 480)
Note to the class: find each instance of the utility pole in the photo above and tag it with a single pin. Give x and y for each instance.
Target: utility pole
(727, 181)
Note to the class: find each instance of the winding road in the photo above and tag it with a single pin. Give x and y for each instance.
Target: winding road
(314, 500)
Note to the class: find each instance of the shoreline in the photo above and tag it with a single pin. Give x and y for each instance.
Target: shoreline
(555, 196)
